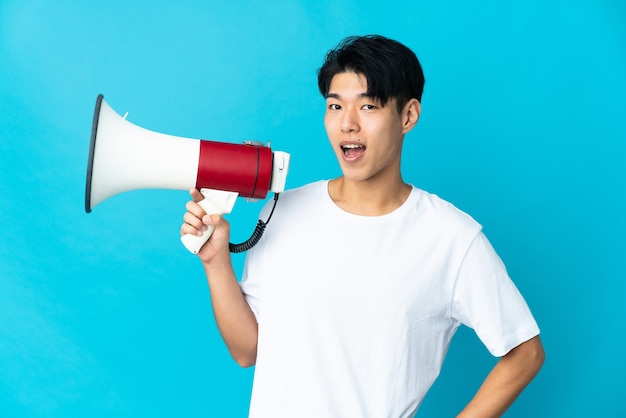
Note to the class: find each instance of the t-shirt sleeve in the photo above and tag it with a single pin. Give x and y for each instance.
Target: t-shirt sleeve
(250, 280)
(487, 300)
(251, 288)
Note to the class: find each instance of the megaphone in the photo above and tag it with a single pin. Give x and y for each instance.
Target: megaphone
(125, 157)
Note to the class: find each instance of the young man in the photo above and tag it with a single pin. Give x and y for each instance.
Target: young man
(348, 303)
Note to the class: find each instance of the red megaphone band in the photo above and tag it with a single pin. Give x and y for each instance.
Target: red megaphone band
(242, 168)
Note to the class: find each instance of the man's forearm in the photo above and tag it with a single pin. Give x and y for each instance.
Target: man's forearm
(233, 315)
(507, 379)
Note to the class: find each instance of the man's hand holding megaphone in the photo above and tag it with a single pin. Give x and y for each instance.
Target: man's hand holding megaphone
(197, 222)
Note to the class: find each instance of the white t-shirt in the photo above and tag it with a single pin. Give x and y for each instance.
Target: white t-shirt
(356, 313)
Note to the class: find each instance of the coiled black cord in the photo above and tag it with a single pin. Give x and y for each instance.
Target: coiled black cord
(256, 234)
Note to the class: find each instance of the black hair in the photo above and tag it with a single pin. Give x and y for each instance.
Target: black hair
(391, 69)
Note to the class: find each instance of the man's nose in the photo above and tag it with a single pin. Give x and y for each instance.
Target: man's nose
(349, 121)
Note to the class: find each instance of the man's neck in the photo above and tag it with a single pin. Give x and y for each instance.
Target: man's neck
(368, 198)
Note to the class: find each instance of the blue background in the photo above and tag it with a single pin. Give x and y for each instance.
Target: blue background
(523, 127)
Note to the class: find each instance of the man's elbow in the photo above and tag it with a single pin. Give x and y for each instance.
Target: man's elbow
(532, 355)
(245, 360)
(537, 353)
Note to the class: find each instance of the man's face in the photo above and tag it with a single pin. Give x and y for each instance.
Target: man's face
(366, 137)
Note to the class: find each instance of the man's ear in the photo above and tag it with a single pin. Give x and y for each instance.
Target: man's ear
(410, 115)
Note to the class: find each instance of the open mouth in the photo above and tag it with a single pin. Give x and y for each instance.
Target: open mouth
(352, 151)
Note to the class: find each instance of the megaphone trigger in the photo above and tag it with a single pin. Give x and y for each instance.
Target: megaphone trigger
(215, 202)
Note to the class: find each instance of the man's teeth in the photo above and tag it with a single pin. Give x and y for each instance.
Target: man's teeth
(352, 150)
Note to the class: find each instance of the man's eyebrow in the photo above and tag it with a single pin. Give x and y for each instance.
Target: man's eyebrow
(360, 96)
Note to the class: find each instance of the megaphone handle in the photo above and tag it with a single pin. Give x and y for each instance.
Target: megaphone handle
(214, 202)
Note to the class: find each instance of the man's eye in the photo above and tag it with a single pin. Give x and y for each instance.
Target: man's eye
(334, 106)
(369, 107)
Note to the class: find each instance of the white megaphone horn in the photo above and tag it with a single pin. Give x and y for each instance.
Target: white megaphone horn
(125, 157)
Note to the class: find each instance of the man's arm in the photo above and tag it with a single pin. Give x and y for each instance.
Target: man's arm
(233, 315)
(507, 379)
